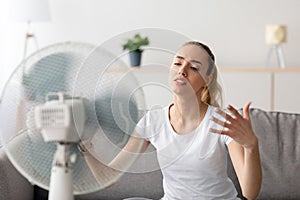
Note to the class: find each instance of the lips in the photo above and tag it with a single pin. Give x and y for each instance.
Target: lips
(180, 81)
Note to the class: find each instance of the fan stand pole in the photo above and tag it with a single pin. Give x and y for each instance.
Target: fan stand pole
(61, 181)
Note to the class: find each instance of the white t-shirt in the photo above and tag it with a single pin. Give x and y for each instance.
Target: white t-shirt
(194, 165)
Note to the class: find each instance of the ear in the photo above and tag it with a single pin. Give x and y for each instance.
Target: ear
(208, 79)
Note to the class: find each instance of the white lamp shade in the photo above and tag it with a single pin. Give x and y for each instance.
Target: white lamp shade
(29, 10)
(275, 34)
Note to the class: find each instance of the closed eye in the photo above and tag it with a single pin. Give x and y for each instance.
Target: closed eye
(194, 68)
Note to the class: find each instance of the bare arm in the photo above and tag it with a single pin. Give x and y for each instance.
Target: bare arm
(244, 150)
(134, 147)
(107, 175)
(247, 165)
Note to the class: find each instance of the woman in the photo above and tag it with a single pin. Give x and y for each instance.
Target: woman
(190, 135)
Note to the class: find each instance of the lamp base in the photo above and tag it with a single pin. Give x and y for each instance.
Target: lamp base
(30, 44)
(279, 54)
(29, 36)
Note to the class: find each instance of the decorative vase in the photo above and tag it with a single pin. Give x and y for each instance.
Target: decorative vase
(135, 58)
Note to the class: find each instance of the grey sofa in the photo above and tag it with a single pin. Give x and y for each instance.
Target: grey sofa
(279, 142)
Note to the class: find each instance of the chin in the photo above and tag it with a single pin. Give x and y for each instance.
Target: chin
(184, 92)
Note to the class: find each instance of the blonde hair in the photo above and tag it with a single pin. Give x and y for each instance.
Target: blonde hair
(211, 94)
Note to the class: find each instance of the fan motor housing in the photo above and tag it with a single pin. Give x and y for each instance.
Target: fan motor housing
(61, 120)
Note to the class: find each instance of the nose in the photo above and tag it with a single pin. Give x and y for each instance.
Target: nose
(182, 70)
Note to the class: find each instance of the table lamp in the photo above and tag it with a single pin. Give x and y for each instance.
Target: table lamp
(275, 37)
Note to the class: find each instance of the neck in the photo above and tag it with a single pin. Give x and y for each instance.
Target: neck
(188, 110)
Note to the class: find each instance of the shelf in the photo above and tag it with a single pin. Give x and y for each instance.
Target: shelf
(145, 69)
(151, 69)
(165, 69)
(259, 69)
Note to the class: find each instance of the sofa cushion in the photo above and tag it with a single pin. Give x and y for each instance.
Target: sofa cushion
(148, 185)
(279, 144)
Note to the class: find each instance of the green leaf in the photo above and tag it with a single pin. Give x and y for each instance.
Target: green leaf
(135, 43)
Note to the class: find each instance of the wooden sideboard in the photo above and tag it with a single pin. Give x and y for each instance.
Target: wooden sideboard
(271, 89)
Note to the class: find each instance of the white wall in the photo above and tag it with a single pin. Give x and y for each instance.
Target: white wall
(233, 28)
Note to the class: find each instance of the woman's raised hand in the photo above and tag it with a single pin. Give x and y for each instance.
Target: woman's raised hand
(236, 126)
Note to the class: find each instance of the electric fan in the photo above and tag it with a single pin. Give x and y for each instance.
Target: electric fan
(57, 96)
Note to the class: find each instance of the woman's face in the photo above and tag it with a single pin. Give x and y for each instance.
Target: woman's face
(188, 70)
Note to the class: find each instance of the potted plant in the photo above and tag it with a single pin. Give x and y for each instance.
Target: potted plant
(134, 46)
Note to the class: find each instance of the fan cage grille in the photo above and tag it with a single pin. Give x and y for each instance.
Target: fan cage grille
(78, 69)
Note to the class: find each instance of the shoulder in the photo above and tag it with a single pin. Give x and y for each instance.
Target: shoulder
(152, 122)
(155, 116)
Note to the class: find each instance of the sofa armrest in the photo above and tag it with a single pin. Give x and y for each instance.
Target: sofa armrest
(13, 186)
